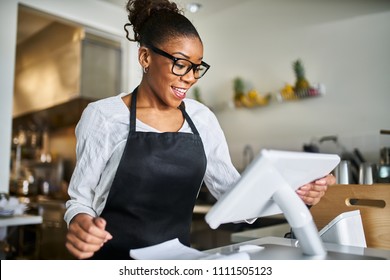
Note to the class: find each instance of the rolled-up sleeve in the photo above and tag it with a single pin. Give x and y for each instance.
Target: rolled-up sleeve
(92, 152)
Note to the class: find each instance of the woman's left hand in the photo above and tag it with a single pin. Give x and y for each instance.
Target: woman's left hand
(312, 193)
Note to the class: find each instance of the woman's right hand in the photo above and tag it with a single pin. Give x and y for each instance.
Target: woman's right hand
(86, 235)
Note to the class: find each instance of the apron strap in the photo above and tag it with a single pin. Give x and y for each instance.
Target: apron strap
(133, 113)
(182, 108)
(133, 110)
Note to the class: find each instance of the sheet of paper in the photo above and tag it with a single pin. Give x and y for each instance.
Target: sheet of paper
(174, 250)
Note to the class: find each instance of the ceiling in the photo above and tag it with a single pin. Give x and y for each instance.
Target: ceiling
(30, 22)
(208, 7)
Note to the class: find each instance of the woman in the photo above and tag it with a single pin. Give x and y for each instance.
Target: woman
(142, 157)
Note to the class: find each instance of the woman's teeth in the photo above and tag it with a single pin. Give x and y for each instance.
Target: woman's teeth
(179, 92)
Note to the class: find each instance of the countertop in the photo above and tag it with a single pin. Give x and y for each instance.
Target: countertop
(278, 248)
(20, 220)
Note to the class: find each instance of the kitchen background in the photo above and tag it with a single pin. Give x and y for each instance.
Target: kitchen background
(343, 46)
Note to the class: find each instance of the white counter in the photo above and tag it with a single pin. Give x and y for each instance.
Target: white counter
(17, 220)
(278, 248)
(20, 220)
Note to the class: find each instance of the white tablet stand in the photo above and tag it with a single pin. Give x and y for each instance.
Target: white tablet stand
(267, 187)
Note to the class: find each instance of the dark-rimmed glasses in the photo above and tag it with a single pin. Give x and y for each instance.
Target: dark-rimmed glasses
(182, 66)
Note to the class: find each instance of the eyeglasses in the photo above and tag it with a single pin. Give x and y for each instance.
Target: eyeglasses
(182, 66)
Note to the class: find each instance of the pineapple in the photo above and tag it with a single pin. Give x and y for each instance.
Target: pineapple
(301, 85)
(238, 91)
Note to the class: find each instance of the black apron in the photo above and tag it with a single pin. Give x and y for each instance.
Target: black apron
(153, 194)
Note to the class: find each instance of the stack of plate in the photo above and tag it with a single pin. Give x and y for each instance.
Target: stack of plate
(6, 212)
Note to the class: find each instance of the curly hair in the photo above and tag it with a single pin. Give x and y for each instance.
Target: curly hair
(155, 21)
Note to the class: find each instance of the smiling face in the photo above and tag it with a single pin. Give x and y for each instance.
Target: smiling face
(161, 85)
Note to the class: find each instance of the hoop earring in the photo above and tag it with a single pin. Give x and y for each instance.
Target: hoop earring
(146, 69)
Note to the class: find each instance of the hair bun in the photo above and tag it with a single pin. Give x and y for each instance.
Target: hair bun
(163, 5)
(156, 21)
(139, 11)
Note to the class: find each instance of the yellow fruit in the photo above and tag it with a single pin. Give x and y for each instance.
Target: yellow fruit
(263, 100)
(246, 101)
(288, 92)
(253, 94)
(288, 89)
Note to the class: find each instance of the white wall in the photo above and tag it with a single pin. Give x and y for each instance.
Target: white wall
(8, 10)
(343, 44)
(90, 13)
